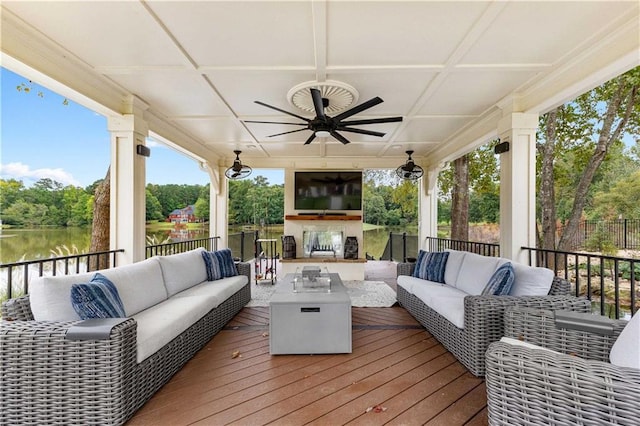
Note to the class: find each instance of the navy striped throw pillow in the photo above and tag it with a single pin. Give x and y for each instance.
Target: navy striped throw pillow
(431, 265)
(98, 298)
(219, 264)
(501, 281)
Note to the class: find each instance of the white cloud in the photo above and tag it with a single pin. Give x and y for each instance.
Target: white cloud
(21, 171)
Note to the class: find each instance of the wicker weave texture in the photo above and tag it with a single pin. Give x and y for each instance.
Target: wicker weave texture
(537, 326)
(483, 319)
(537, 387)
(47, 379)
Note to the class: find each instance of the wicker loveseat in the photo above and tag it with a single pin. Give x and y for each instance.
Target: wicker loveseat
(583, 370)
(171, 310)
(463, 320)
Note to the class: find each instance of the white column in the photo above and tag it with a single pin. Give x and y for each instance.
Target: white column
(518, 185)
(428, 206)
(220, 202)
(127, 220)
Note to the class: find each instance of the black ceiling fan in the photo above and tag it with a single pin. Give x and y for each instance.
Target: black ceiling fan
(409, 170)
(323, 125)
(237, 170)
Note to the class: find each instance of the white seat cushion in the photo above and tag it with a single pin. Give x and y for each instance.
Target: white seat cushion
(139, 284)
(160, 324)
(216, 291)
(50, 297)
(530, 280)
(517, 342)
(454, 262)
(446, 300)
(475, 272)
(183, 270)
(625, 352)
(407, 282)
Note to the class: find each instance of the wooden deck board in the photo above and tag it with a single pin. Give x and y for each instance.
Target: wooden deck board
(395, 364)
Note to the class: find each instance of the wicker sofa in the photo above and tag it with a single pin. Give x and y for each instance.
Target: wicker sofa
(465, 321)
(585, 371)
(172, 311)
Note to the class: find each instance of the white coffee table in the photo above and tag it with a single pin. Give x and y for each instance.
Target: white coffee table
(309, 322)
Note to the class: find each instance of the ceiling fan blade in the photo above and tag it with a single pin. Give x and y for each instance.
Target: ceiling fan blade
(372, 121)
(274, 122)
(362, 132)
(285, 133)
(339, 137)
(358, 108)
(283, 111)
(311, 138)
(317, 103)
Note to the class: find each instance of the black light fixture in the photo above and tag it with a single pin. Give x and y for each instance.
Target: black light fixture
(143, 150)
(237, 170)
(501, 147)
(409, 170)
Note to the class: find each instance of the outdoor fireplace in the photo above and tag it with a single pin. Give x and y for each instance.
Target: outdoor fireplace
(318, 241)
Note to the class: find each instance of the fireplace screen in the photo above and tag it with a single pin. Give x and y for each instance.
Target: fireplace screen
(323, 243)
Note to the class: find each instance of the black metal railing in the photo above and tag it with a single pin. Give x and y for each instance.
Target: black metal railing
(485, 249)
(242, 244)
(210, 243)
(610, 282)
(622, 233)
(17, 275)
(400, 247)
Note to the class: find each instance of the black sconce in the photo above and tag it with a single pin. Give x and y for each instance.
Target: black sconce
(143, 150)
(501, 147)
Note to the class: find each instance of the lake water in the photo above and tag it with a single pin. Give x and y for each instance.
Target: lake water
(30, 244)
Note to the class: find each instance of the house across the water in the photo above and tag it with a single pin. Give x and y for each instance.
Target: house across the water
(184, 215)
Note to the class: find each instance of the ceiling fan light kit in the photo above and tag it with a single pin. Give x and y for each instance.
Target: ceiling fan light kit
(238, 170)
(323, 125)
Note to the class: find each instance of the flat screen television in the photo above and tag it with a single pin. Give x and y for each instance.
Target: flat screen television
(328, 190)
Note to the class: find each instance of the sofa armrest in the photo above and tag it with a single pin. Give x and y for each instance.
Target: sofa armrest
(543, 386)
(484, 315)
(538, 326)
(93, 329)
(18, 309)
(46, 374)
(405, 268)
(244, 268)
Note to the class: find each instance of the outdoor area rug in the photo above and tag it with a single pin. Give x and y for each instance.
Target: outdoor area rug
(364, 294)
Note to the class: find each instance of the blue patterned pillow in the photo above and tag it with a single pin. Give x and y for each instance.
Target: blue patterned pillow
(98, 298)
(501, 281)
(431, 265)
(219, 264)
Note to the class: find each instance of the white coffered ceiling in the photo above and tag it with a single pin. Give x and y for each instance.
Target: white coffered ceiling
(449, 68)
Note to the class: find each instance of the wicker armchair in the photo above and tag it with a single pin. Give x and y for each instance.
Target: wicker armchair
(483, 318)
(575, 385)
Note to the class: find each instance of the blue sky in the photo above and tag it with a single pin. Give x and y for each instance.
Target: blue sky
(43, 138)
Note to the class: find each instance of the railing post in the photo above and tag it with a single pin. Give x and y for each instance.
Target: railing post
(404, 246)
(391, 246)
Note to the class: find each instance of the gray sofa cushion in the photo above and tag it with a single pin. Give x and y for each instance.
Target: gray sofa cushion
(183, 270)
(530, 280)
(139, 284)
(454, 262)
(475, 272)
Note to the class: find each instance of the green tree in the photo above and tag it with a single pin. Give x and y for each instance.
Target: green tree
(621, 201)
(584, 130)
(375, 212)
(10, 192)
(153, 207)
(405, 196)
(22, 213)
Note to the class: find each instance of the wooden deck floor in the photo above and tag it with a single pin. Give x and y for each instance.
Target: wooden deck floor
(395, 366)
